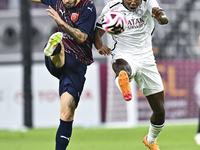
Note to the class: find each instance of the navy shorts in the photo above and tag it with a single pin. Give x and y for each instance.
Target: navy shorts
(71, 75)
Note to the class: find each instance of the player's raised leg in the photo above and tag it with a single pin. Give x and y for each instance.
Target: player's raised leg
(123, 70)
(124, 85)
(54, 40)
(54, 49)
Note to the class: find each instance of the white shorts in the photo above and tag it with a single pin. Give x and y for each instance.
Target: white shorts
(144, 72)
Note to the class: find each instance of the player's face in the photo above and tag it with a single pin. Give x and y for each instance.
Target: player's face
(131, 4)
(70, 3)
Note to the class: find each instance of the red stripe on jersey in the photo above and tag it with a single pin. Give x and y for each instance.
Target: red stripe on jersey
(87, 2)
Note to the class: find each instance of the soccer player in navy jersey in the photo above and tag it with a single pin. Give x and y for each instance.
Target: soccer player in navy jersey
(67, 55)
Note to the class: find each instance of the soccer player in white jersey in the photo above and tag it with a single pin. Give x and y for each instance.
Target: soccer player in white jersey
(132, 57)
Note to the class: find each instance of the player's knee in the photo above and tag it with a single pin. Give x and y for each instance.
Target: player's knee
(158, 117)
(67, 115)
(160, 113)
(125, 68)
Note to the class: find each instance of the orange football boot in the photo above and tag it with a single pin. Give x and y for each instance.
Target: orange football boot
(124, 85)
(153, 146)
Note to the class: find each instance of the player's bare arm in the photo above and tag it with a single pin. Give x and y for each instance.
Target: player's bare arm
(102, 49)
(78, 36)
(37, 1)
(159, 15)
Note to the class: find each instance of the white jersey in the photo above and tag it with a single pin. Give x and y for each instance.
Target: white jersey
(136, 40)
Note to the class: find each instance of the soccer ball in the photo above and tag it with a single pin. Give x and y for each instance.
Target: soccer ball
(114, 22)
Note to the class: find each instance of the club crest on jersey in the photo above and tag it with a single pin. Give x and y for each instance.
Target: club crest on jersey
(139, 12)
(74, 17)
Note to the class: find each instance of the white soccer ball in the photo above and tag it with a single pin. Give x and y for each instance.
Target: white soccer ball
(114, 22)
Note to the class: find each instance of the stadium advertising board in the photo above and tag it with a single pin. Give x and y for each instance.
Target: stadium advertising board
(46, 103)
(180, 81)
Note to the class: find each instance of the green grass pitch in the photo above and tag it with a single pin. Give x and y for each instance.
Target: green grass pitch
(172, 138)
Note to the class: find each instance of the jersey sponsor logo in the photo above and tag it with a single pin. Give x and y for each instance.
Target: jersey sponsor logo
(135, 23)
(74, 17)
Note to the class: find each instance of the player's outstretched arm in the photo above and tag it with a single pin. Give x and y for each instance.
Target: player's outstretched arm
(37, 1)
(159, 15)
(78, 36)
(102, 49)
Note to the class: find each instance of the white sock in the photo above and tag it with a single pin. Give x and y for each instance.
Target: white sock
(117, 82)
(154, 131)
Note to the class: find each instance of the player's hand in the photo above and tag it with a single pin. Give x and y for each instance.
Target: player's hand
(104, 50)
(157, 13)
(55, 15)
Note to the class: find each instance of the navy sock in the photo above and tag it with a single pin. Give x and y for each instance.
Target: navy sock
(63, 134)
(57, 50)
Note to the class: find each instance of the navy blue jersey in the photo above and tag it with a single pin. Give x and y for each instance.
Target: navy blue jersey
(83, 17)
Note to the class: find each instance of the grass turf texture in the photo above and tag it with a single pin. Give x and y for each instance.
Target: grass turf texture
(172, 138)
